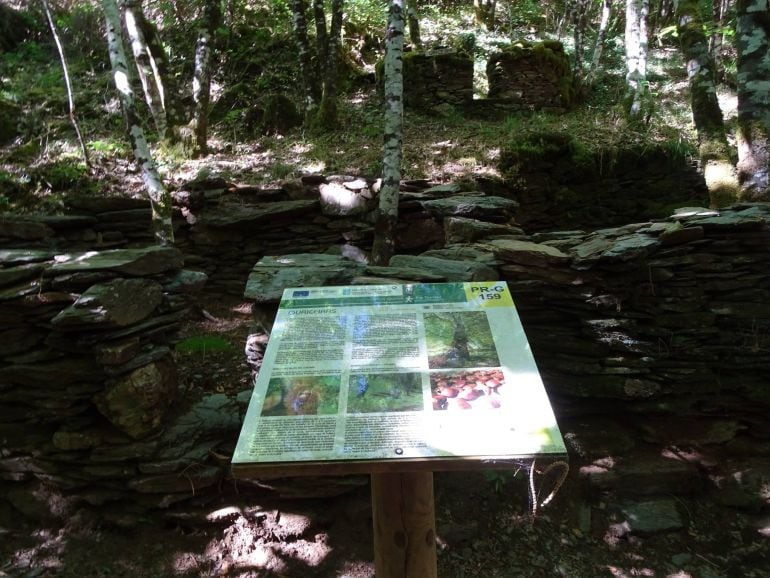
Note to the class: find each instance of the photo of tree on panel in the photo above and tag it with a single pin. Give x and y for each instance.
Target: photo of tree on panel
(459, 340)
(305, 395)
(371, 393)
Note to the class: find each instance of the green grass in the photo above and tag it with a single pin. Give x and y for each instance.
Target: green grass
(203, 344)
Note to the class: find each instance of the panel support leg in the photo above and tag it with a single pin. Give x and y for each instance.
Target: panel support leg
(404, 525)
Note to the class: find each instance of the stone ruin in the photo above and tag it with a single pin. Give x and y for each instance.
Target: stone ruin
(437, 79)
(534, 75)
(652, 338)
(523, 76)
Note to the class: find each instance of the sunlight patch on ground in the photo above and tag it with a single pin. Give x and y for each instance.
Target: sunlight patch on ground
(618, 572)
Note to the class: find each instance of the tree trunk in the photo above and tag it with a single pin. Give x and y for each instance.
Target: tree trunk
(387, 216)
(202, 75)
(321, 37)
(160, 199)
(718, 8)
(636, 56)
(484, 13)
(413, 21)
(580, 22)
(150, 86)
(67, 83)
(752, 26)
(311, 91)
(715, 154)
(601, 37)
(326, 119)
(167, 88)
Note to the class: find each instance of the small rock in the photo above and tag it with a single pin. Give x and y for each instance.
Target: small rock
(652, 516)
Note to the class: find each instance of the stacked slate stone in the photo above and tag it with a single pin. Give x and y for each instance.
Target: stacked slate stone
(437, 80)
(231, 227)
(534, 75)
(88, 390)
(663, 325)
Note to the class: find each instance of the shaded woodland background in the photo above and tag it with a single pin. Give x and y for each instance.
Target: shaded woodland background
(279, 89)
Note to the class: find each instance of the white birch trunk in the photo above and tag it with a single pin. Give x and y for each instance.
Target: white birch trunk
(636, 53)
(387, 218)
(160, 199)
(144, 65)
(600, 38)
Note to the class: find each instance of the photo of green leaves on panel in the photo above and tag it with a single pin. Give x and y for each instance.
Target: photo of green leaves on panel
(459, 340)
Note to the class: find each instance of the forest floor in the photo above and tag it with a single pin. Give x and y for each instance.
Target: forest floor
(484, 525)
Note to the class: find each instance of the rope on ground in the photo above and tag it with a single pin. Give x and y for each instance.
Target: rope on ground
(534, 494)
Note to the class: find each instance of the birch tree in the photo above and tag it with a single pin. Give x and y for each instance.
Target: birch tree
(147, 74)
(413, 22)
(715, 153)
(202, 74)
(164, 80)
(160, 199)
(601, 37)
(636, 55)
(387, 216)
(752, 28)
(67, 83)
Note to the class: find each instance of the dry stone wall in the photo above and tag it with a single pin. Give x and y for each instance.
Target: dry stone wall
(89, 398)
(435, 80)
(653, 338)
(536, 75)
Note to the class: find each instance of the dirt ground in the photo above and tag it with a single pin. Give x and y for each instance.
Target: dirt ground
(484, 525)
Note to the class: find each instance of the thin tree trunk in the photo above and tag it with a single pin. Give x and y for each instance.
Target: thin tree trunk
(752, 27)
(309, 81)
(715, 153)
(413, 20)
(321, 37)
(150, 86)
(68, 84)
(387, 216)
(167, 88)
(202, 74)
(601, 37)
(580, 24)
(636, 55)
(326, 119)
(160, 199)
(719, 13)
(484, 13)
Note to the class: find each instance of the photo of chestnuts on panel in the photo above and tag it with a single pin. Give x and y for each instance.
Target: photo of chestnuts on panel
(470, 389)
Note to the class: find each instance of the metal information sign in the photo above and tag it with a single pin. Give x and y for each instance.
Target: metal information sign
(397, 372)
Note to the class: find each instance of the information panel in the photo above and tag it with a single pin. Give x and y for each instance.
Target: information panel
(389, 372)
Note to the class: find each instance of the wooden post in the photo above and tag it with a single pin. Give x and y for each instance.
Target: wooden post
(404, 525)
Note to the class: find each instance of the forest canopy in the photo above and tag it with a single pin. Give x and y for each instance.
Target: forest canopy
(290, 88)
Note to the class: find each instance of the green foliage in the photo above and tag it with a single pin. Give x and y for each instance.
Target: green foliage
(109, 146)
(200, 344)
(77, 28)
(498, 479)
(546, 145)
